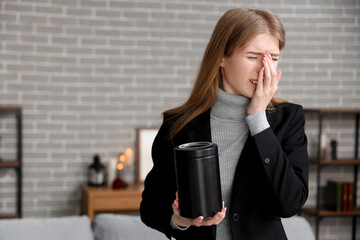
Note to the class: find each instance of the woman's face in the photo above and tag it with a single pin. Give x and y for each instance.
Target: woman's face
(240, 70)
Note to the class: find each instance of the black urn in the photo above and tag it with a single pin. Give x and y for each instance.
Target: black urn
(198, 179)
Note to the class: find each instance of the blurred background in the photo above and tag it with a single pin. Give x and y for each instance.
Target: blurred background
(88, 73)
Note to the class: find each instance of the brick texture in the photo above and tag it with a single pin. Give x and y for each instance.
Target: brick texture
(89, 72)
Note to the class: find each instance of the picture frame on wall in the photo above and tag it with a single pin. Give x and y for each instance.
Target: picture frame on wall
(144, 139)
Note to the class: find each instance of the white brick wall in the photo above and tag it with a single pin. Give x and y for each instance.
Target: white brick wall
(88, 72)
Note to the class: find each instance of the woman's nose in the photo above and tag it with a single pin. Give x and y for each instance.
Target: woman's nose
(259, 64)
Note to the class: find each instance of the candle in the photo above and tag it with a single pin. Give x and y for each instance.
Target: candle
(111, 170)
(129, 155)
(120, 166)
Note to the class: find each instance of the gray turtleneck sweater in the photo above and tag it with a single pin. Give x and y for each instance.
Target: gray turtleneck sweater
(230, 126)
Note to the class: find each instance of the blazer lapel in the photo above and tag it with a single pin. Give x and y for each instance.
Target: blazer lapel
(246, 155)
(199, 128)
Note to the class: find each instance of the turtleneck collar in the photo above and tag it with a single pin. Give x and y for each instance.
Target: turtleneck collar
(229, 106)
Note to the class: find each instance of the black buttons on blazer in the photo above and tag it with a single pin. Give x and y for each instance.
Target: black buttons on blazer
(235, 217)
(267, 160)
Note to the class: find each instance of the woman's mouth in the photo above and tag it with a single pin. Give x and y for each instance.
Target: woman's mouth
(254, 81)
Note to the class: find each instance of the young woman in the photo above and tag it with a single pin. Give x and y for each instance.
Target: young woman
(261, 141)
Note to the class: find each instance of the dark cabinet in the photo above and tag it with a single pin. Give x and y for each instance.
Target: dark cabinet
(318, 212)
(15, 163)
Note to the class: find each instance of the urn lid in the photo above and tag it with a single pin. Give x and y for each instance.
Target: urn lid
(195, 150)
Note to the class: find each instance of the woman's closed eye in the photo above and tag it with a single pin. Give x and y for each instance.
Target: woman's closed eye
(254, 58)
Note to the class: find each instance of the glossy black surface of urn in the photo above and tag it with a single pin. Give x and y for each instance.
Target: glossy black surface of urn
(198, 179)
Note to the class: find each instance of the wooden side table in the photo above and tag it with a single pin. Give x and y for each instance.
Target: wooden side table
(106, 199)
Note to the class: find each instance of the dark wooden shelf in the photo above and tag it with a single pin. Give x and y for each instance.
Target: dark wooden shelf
(7, 109)
(10, 107)
(333, 110)
(3, 216)
(329, 213)
(336, 161)
(354, 162)
(10, 164)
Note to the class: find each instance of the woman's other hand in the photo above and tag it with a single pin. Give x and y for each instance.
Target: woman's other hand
(199, 221)
(267, 85)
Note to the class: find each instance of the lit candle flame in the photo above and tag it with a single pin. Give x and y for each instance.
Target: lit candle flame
(129, 154)
(120, 166)
(122, 158)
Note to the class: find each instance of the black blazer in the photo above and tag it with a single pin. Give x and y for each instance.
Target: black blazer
(271, 178)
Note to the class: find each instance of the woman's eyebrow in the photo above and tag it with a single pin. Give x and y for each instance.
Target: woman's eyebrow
(262, 54)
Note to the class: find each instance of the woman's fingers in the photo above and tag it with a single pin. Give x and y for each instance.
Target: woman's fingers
(276, 82)
(199, 221)
(216, 219)
(260, 80)
(272, 77)
(275, 76)
(175, 207)
(267, 71)
(268, 80)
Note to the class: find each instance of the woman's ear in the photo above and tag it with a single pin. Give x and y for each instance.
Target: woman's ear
(222, 62)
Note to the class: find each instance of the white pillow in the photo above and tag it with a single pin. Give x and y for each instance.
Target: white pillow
(60, 228)
(123, 227)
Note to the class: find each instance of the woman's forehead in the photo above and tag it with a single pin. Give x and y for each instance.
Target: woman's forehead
(262, 44)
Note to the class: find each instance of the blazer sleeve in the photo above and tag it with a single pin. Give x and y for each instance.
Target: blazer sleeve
(159, 186)
(285, 161)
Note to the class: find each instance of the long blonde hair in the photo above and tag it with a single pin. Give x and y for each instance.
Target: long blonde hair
(233, 30)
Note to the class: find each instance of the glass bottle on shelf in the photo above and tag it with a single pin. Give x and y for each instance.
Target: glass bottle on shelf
(96, 173)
